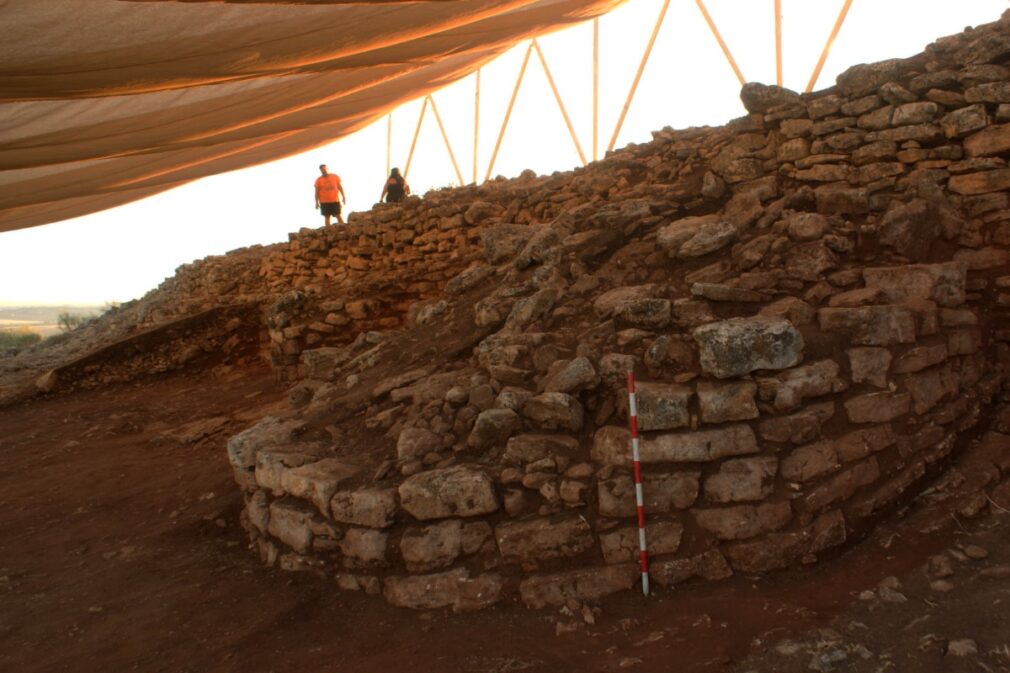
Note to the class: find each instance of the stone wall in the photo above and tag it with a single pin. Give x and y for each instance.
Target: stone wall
(814, 298)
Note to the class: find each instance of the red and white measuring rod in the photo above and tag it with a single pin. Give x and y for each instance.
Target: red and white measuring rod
(643, 554)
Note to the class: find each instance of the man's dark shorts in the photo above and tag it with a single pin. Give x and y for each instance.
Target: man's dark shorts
(332, 209)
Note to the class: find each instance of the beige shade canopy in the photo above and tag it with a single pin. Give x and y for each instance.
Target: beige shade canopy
(108, 101)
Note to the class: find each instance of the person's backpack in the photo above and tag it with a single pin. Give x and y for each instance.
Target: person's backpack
(394, 189)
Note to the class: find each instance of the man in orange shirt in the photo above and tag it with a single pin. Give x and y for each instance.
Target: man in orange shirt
(329, 194)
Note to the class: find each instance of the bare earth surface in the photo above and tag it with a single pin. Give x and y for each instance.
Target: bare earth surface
(120, 550)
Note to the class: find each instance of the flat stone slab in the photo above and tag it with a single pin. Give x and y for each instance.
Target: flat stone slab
(452, 491)
(540, 591)
(738, 346)
(612, 445)
(943, 283)
(454, 588)
(530, 541)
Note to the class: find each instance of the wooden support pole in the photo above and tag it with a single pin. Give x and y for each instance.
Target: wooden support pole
(476, 123)
(561, 105)
(389, 141)
(596, 88)
(413, 143)
(827, 45)
(722, 44)
(508, 112)
(638, 75)
(445, 138)
(778, 42)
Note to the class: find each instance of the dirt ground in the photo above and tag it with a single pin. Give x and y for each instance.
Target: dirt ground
(120, 550)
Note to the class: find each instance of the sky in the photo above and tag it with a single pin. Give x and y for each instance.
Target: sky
(120, 254)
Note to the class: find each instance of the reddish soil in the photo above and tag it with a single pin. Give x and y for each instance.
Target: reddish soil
(120, 550)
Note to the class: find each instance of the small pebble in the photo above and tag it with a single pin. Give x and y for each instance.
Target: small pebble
(973, 551)
(962, 647)
(941, 586)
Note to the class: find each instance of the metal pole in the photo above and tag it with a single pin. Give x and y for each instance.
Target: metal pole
(452, 156)
(722, 44)
(413, 143)
(596, 87)
(638, 75)
(636, 457)
(827, 45)
(508, 112)
(476, 123)
(561, 105)
(778, 42)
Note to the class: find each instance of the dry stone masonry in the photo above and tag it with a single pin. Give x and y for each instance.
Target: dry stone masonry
(815, 298)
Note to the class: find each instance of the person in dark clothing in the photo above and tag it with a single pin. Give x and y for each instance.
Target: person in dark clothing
(395, 189)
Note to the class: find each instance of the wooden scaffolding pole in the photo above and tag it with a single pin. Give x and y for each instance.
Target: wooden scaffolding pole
(778, 42)
(722, 44)
(638, 75)
(389, 141)
(445, 138)
(596, 88)
(508, 112)
(476, 123)
(413, 143)
(561, 105)
(827, 45)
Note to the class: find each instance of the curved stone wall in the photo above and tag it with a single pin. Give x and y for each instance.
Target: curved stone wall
(814, 298)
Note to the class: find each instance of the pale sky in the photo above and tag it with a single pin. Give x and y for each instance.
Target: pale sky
(120, 254)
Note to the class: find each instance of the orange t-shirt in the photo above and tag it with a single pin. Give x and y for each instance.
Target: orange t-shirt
(328, 188)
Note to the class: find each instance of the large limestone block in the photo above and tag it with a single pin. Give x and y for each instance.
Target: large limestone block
(432, 547)
(270, 432)
(452, 491)
(731, 401)
(453, 588)
(711, 236)
(870, 325)
(662, 492)
(612, 302)
(709, 565)
(370, 507)
(869, 364)
(787, 390)
(291, 523)
(988, 142)
(943, 283)
(271, 464)
(621, 545)
(742, 480)
(798, 428)
(662, 406)
(778, 550)
(744, 521)
(553, 411)
(612, 445)
(739, 346)
(843, 485)
(571, 376)
(317, 482)
(415, 443)
(528, 542)
(363, 548)
(493, 427)
(810, 461)
(983, 182)
(531, 448)
(587, 584)
(878, 407)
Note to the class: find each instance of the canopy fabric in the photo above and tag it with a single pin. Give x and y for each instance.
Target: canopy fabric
(108, 101)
